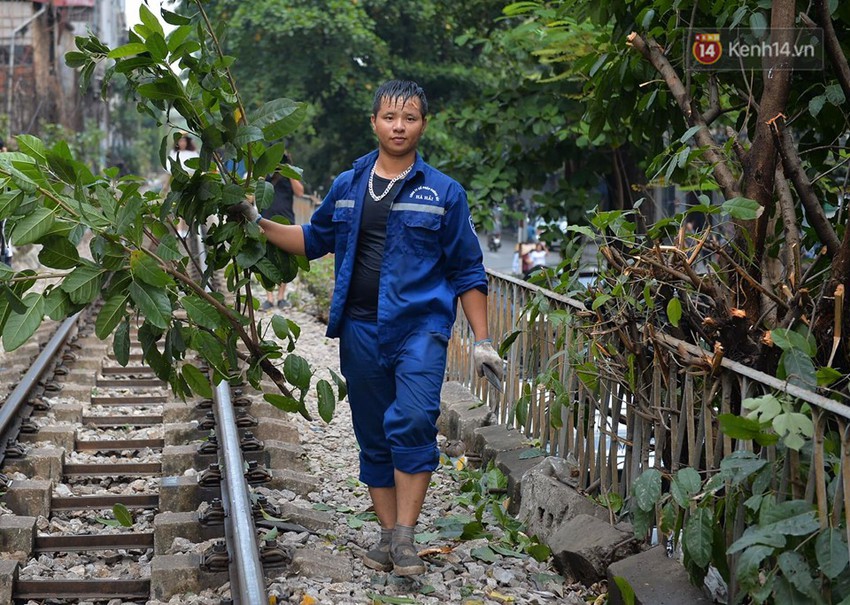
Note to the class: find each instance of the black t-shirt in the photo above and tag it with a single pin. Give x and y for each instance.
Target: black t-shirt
(362, 302)
(282, 203)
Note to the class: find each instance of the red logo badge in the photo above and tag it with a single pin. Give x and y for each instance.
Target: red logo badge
(707, 48)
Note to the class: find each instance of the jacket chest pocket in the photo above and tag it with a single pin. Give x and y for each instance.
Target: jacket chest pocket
(342, 218)
(421, 233)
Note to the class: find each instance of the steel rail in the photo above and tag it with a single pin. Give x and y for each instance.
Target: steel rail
(247, 580)
(10, 410)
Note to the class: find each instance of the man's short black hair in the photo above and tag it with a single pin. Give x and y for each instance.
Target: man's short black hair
(400, 89)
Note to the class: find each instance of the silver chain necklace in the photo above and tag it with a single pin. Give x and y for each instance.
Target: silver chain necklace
(389, 188)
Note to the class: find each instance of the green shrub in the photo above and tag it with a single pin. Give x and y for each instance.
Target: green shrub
(317, 288)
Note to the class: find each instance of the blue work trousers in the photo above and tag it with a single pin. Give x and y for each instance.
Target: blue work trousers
(394, 398)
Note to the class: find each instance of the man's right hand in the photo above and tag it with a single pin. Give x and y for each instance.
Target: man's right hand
(243, 212)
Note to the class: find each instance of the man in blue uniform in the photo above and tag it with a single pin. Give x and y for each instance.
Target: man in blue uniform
(405, 252)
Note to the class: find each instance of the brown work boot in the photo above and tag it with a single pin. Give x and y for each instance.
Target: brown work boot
(379, 557)
(403, 553)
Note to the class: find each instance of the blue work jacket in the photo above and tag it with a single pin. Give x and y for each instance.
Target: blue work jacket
(431, 256)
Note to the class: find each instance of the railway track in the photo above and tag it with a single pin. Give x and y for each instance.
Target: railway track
(117, 493)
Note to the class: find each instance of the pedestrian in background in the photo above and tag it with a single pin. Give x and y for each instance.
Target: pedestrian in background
(405, 251)
(285, 190)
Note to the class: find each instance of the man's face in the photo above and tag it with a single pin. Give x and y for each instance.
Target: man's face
(398, 125)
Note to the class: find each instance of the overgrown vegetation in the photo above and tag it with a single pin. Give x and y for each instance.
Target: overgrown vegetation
(143, 268)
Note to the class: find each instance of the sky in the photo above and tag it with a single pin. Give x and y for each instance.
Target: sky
(131, 10)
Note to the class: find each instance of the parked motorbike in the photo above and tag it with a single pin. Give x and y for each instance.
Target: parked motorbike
(494, 242)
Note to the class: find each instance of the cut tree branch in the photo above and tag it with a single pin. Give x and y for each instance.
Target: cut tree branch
(792, 232)
(652, 52)
(793, 169)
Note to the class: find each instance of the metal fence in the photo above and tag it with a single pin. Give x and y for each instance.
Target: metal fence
(615, 428)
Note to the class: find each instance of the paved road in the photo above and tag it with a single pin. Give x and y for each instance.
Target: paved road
(502, 260)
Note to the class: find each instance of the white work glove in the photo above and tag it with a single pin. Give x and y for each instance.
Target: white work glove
(244, 211)
(483, 354)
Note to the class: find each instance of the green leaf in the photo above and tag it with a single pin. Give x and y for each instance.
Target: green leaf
(169, 248)
(157, 46)
(749, 563)
(762, 409)
(174, 18)
(758, 23)
(740, 466)
(674, 311)
(539, 552)
(600, 300)
(327, 400)
(32, 227)
(111, 314)
(282, 402)
(534, 452)
(690, 132)
(484, 553)
(797, 368)
(128, 50)
(647, 489)
(627, 593)
(831, 552)
(789, 339)
(686, 484)
(341, 385)
(378, 599)
(785, 593)
(796, 570)
(32, 146)
(270, 159)
(698, 536)
(774, 534)
(201, 312)
(264, 195)
(816, 104)
(354, 522)
(742, 208)
(149, 19)
(279, 118)
(738, 427)
(826, 376)
(153, 303)
(122, 514)
(146, 269)
(297, 371)
(835, 95)
(83, 284)
(793, 427)
(58, 253)
(197, 381)
(121, 343)
(20, 326)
